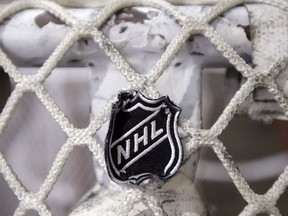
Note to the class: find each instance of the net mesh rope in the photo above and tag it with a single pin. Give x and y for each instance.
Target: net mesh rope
(256, 203)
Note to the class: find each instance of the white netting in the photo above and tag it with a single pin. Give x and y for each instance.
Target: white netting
(199, 137)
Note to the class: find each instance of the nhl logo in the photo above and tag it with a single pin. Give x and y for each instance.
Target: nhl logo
(143, 141)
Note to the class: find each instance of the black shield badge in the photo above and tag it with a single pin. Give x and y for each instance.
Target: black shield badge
(143, 141)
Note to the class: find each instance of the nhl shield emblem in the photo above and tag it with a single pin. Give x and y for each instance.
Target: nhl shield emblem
(143, 141)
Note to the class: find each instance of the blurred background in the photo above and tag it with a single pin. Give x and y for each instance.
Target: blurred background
(259, 149)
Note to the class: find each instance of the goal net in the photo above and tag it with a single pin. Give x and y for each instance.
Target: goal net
(263, 74)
